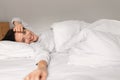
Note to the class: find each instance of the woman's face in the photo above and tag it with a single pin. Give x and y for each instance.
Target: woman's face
(26, 36)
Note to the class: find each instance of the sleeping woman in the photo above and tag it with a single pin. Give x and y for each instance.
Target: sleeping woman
(20, 33)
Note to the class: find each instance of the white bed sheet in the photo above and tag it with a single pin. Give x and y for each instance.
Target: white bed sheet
(15, 69)
(59, 69)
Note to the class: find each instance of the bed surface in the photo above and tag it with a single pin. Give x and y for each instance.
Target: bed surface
(16, 69)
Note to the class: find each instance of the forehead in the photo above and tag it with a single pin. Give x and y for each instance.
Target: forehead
(18, 37)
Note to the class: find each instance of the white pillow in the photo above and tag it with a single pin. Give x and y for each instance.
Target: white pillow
(106, 25)
(9, 49)
(63, 31)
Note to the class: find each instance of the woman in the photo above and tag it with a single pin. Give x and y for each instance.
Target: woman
(21, 34)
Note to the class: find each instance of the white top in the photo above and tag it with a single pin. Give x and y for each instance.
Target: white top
(44, 46)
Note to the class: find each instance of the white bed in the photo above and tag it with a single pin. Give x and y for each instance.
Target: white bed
(64, 64)
(16, 69)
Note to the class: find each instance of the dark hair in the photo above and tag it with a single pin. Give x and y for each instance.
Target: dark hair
(10, 36)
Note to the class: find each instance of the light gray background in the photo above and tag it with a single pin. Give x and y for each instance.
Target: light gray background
(40, 14)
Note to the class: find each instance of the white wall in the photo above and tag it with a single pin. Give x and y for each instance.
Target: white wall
(42, 13)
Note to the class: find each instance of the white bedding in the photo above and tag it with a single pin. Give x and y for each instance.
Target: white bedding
(16, 69)
(94, 48)
(75, 60)
(61, 70)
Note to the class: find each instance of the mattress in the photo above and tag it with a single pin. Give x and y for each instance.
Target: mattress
(59, 69)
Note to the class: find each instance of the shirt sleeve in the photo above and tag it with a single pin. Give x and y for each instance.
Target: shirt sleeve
(43, 55)
(16, 19)
(40, 53)
(21, 21)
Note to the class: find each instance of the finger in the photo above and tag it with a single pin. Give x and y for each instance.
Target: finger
(31, 77)
(43, 77)
(21, 29)
(26, 78)
(14, 29)
(37, 78)
(34, 77)
(18, 29)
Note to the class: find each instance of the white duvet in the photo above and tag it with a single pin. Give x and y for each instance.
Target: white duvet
(94, 48)
(98, 44)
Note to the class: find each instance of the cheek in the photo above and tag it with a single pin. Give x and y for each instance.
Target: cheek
(27, 41)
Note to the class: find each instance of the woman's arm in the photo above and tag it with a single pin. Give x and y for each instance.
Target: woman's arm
(16, 21)
(42, 64)
(42, 60)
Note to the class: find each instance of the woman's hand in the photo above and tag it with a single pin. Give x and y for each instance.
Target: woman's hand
(18, 27)
(37, 74)
(40, 73)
